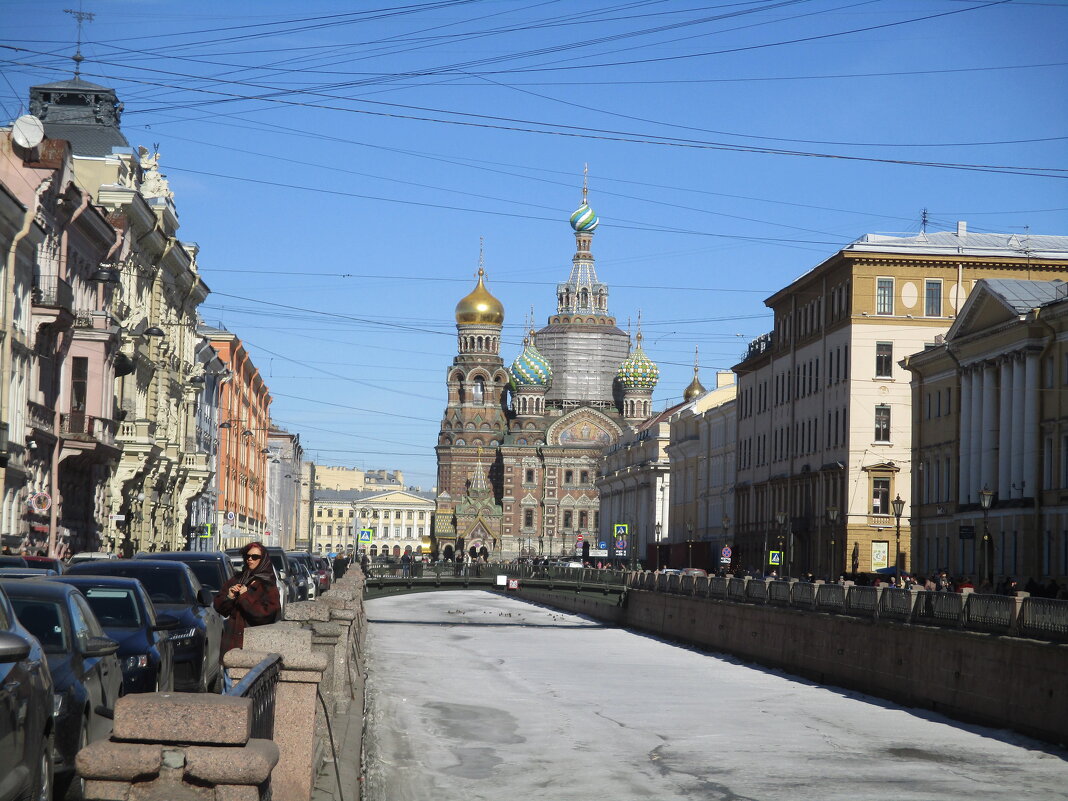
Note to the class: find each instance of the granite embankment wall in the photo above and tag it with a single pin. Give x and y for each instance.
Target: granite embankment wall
(994, 680)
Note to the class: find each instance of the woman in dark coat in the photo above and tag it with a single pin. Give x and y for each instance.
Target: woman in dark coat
(249, 599)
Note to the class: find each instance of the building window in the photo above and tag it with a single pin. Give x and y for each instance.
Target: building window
(409, 532)
(330, 512)
(884, 296)
(884, 359)
(583, 520)
(585, 477)
(478, 390)
(567, 520)
(882, 423)
(880, 496)
(932, 298)
(318, 531)
(529, 477)
(569, 476)
(528, 518)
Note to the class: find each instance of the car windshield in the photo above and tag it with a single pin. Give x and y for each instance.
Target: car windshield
(209, 574)
(45, 621)
(163, 586)
(114, 607)
(276, 560)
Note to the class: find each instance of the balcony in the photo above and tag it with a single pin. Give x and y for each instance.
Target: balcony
(81, 425)
(52, 292)
(40, 417)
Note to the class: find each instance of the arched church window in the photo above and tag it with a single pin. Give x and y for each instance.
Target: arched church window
(478, 390)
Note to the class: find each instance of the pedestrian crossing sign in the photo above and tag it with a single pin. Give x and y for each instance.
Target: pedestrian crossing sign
(775, 557)
(621, 529)
(366, 535)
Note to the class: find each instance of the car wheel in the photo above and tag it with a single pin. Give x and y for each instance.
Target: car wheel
(42, 790)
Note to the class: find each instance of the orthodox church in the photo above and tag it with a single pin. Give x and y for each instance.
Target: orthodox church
(519, 446)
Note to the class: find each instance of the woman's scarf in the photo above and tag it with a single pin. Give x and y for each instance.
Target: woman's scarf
(262, 572)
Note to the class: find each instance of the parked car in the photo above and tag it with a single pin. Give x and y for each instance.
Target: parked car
(89, 556)
(325, 573)
(303, 579)
(307, 567)
(175, 590)
(694, 571)
(127, 616)
(25, 572)
(46, 562)
(26, 727)
(212, 568)
(13, 561)
(86, 675)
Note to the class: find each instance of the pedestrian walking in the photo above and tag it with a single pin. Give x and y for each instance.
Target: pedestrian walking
(248, 599)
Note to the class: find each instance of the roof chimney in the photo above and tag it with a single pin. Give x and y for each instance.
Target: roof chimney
(962, 228)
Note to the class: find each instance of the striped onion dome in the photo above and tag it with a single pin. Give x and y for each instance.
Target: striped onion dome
(638, 371)
(584, 218)
(531, 369)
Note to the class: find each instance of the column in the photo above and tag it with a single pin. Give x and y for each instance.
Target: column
(975, 436)
(964, 470)
(989, 473)
(1017, 476)
(1032, 436)
(1005, 431)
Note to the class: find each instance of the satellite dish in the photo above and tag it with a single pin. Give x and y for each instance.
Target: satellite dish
(28, 131)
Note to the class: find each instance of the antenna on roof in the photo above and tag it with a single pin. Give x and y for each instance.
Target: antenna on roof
(82, 17)
(923, 221)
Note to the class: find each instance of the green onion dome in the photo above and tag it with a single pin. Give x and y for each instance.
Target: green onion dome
(638, 371)
(531, 369)
(584, 218)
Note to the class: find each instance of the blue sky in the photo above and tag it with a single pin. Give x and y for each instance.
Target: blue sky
(731, 147)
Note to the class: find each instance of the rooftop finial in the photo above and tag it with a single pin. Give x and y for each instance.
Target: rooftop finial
(81, 16)
(695, 361)
(585, 181)
(639, 336)
(482, 255)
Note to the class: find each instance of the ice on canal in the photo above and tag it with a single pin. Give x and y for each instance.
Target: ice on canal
(479, 696)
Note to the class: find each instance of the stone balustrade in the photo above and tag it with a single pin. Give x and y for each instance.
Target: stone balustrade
(178, 746)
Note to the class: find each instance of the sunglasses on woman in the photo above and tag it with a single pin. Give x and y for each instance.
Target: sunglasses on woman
(253, 557)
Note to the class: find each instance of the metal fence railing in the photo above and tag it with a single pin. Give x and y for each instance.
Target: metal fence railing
(259, 685)
(1044, 618)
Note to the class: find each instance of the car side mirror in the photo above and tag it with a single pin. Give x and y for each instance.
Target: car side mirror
(166, 623)
(204, 596)
(281, 574)
(100, 646)
(13, 648)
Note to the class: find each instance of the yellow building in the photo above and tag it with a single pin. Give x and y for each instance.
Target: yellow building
(825, 410)
(399, 520)
(990, 410)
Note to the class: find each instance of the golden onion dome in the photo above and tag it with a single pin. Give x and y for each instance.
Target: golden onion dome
(480, 307)
(695, 390)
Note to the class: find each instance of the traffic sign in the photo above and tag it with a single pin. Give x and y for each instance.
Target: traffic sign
(724, 560)
(775, 557)
(620, 529)
(602, 544)
(726, 553)
(578, 538)
(967, 532)
(366, 535)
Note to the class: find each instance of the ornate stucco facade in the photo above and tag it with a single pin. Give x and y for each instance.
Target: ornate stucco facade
(519, 447)
(399, 520)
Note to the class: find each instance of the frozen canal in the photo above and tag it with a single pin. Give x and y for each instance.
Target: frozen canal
(477, 696)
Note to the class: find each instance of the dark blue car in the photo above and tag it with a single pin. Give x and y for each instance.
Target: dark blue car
(25, 712)
(174, 590)
(126, 613)
(86, 676)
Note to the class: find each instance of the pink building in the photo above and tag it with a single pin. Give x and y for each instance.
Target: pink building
(60, 405)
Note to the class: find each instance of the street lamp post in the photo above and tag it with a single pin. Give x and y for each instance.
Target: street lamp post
(832, 517)
(726, 539)
(899, 507)
(986, 498)
(781, 517)
(689, 543)
(656, 546)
